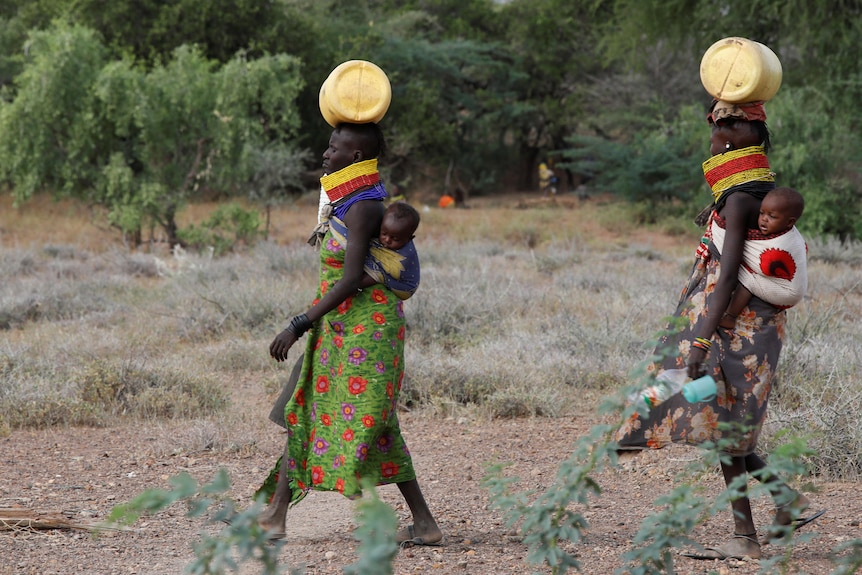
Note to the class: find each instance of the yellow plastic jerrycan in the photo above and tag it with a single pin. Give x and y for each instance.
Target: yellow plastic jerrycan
(738, 70)
(356, 92)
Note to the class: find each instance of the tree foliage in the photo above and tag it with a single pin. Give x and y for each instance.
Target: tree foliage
(482, 91)
(141, 142)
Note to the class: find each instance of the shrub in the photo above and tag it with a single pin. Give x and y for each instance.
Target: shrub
(227, 227)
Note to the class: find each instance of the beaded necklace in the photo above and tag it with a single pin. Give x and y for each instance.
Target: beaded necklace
(345, 181)
(729, 169)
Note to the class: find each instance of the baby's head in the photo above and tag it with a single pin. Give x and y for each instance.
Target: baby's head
(780, 210)
(399, 223)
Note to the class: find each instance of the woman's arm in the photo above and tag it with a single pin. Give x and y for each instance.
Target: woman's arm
(739, 213)
(363, 223)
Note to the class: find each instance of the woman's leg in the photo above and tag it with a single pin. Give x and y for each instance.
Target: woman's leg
(743, 522)
(782, 494)
(274, 516)
(744, 542)
(789, 503)
(424, 529)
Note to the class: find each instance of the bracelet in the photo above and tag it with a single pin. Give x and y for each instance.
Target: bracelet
(701, 343)
(728, 315)
(299, 325)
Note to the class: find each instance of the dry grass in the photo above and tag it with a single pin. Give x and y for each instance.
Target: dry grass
(536, 308)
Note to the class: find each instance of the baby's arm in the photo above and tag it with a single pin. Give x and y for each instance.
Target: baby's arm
(368, 281)
(740, 298)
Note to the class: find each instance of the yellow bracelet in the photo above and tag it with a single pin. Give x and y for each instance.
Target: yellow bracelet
(703, 342)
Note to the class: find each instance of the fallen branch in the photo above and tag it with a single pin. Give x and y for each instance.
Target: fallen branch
(14, 518)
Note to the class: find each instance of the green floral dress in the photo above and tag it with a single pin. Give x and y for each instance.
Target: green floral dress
(342, 421)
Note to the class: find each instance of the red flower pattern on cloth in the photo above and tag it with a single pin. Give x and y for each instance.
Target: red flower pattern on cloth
(345, 306)
(317, 475)
(777, 263)
(377, 296)
(342, 418)
(356, 384)
(389, 469)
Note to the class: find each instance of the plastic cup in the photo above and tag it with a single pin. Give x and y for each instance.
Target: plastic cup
(700, 389)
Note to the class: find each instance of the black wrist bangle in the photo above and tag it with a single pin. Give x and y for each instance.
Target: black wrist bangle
(299, 325)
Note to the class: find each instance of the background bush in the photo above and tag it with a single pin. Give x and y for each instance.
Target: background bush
(533, 319)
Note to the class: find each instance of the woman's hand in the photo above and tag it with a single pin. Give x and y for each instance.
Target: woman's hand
(281, 345)
(695, 362)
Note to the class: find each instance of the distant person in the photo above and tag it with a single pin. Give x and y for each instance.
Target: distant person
(547, 180)
(453, 200)
(774, 264)
(392, 259)
(460, 200)
(396, 193)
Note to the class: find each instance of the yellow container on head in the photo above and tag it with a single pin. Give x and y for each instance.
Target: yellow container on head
(738, 70)
(356, 92)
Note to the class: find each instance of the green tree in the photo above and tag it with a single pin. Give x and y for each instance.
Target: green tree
(453, 98)
(150, 30)
(12, 32)
(141, 143)
(555, 42)
(812, 117)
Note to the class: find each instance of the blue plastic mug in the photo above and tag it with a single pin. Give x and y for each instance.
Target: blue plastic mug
(700, 389)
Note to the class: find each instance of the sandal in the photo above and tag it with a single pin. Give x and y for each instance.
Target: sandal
(407, 537)
(781, 530)
(742, 546)
(788, 518)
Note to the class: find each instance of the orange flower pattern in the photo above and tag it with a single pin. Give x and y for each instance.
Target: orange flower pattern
(742, 361)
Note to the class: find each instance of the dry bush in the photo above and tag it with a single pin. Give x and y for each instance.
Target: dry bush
(835, 250)
(818, 393)
(534, 312)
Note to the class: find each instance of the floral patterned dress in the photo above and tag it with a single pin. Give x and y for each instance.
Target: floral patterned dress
(742, 361)
(342, 422)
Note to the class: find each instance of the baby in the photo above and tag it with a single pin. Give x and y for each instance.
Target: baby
(392, 259)
(774, 264)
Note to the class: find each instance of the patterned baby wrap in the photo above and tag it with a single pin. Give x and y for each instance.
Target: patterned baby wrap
(774, 267)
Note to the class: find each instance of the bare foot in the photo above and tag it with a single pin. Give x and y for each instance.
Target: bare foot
(790, 517)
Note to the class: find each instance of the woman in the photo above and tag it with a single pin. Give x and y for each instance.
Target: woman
(742, 360)
(342, 421)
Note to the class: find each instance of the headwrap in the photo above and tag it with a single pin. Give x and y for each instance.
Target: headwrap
(358, 181)
(749, 111)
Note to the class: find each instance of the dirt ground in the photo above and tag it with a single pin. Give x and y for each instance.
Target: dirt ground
(85, 472)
